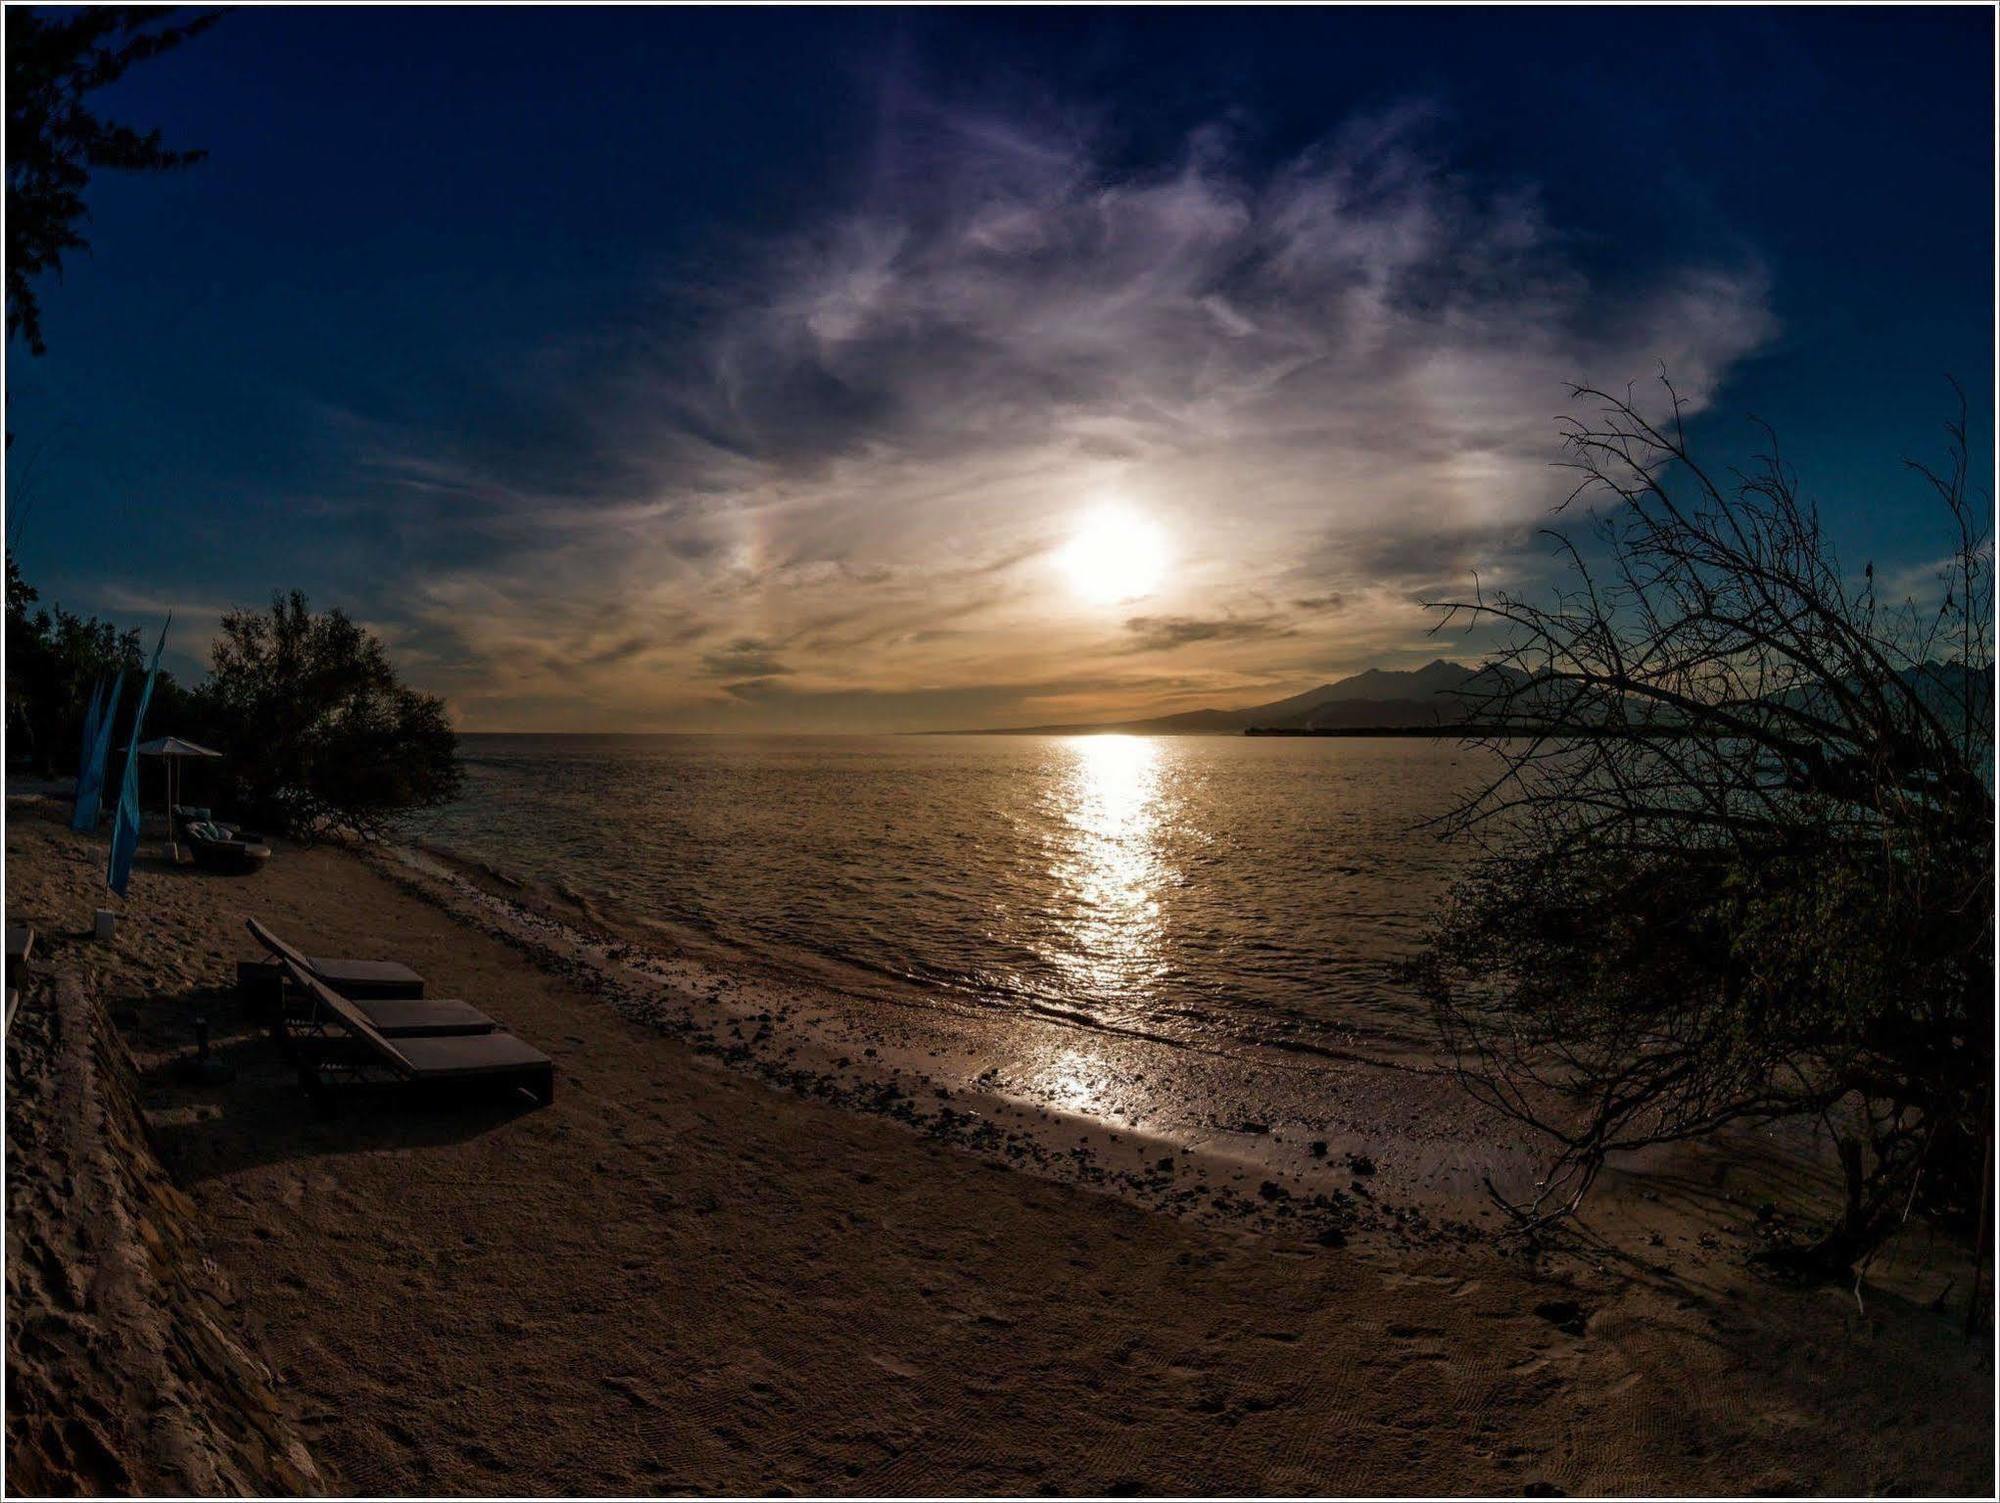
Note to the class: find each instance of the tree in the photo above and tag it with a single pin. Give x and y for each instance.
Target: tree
(1745, 872)
(321, 734)
(55, 143)
(55, 660)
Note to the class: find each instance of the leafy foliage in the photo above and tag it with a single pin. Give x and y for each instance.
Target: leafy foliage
(54, 141)
(54, 661)
(318, 732)
(1746, 871)
(323, 734)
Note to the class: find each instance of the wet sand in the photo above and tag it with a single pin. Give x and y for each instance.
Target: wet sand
(723, 1261)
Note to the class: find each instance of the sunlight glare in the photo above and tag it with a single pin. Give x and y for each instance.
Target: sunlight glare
(1113, 868)
(1115, 555)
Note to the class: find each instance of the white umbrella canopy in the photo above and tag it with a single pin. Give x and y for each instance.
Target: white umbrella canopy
(173, 748)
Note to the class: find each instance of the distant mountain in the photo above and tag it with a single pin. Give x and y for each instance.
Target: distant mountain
(1438, 693)
(1444, 693)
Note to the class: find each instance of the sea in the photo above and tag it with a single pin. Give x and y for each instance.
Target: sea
(1196, 889)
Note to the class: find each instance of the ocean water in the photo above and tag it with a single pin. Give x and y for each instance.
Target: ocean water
(1189, 888)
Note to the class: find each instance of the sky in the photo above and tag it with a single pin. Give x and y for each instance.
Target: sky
(891, 370)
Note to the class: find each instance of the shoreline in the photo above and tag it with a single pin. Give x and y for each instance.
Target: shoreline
(1265, 1135)
(1059, 1095)
(680, 1278)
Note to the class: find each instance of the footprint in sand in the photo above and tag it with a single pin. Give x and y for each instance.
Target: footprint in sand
(1565, 1315)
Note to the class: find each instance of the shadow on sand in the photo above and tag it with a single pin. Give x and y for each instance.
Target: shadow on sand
(258, 1112)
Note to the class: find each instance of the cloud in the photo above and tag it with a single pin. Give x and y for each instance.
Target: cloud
(744, 656)
(1164, 633)
(1330, 379)
(766, 687)
(193, 625)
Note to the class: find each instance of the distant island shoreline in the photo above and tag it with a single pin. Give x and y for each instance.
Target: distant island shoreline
(1441, 700)
(1461, 730)
(1426, 701)
(1477, 730)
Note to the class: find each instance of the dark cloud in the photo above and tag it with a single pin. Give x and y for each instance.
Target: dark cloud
(1163, 633)
(746, 657)
(617, 652)
(1404, 563)
(754, 690)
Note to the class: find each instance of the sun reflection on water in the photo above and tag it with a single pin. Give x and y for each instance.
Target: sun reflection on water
(1109, 868)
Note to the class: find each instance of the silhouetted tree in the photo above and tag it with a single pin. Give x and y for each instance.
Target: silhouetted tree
(54, 142)
(321, 735)
(1781, 908)
(55, 660)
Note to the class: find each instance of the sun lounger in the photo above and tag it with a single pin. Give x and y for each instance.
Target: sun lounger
(215, 848)
(389, 995)
(424, 1017)
(348, 1049)
(259, 981)
(297, 1026)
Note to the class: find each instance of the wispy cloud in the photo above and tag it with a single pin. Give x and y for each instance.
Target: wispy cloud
(193, 624)
(1330, 383)
(1164, 633)
(744, 656)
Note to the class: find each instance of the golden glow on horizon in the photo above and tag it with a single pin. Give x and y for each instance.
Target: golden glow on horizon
(1115, 555)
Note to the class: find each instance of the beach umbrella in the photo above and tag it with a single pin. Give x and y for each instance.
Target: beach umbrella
(175, 750)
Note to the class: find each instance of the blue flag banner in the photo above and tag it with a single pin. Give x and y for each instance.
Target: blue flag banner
(90, 777)
(81, 816)
(125, 823)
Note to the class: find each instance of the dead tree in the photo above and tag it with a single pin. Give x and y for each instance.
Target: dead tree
(1742, 869)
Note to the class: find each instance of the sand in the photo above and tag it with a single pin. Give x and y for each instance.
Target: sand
(681, 1277)
(127, 1368)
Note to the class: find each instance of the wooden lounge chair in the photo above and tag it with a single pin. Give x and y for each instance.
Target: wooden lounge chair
(395, 1017)
(297, 1026)
(258, 981)
(347, 1049)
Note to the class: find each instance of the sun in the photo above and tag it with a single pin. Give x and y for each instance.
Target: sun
(1114, 555)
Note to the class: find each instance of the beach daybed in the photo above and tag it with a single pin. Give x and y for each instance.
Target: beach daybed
(214, 847)
(196, 814)
(346, 1049)
(259, 981)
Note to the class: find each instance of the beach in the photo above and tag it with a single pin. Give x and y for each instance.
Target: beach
(739, 1254)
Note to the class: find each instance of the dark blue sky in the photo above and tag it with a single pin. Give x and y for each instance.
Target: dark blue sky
(449, 279)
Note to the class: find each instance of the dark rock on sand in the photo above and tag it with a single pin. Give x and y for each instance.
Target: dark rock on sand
(1564, 1314)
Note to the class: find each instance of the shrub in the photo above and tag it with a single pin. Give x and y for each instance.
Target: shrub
(1746, 871)
(322, 735)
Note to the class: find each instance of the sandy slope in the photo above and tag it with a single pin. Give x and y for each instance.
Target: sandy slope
(680, 1279)
(126, 1367)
